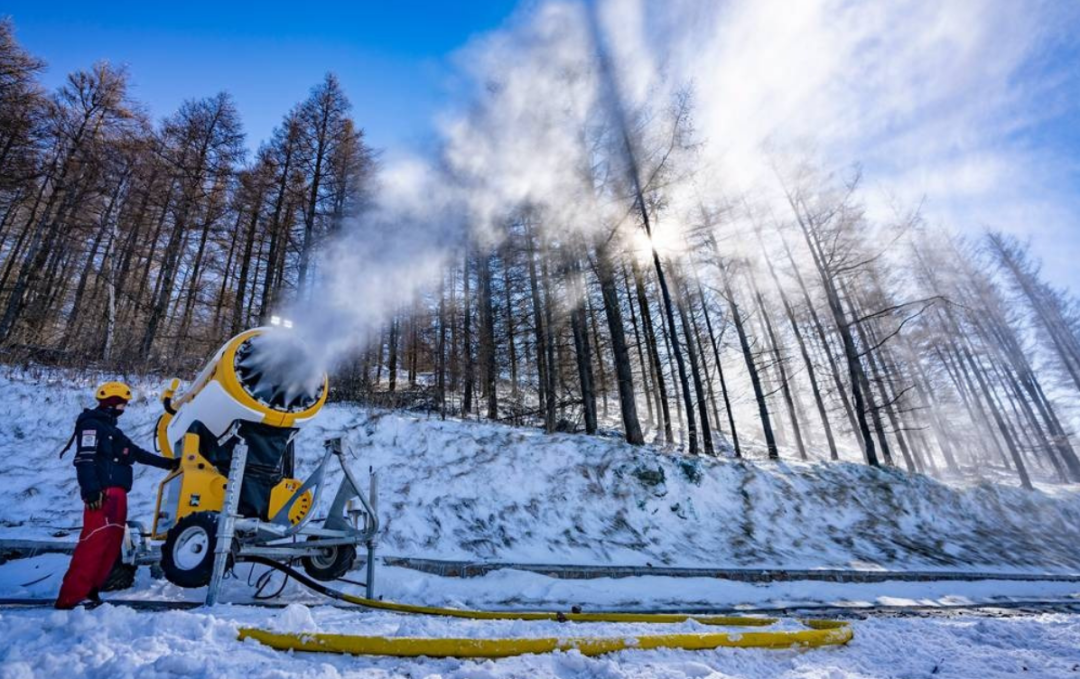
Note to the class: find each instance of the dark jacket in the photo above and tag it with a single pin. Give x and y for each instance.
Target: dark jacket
(104, 455)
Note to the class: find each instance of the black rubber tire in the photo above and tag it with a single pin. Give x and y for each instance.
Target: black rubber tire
(122, 576)
(331, 564)
(187, 557)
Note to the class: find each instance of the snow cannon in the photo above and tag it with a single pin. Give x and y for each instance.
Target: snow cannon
(262, 376)
(233, 429)
(260, 387)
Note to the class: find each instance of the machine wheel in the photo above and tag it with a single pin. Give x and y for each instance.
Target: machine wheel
(122, 576)
(187, 558)
(330, 563)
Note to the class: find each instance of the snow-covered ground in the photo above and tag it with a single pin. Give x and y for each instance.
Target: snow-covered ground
(116, 643)
(464, 490)
(476, 491)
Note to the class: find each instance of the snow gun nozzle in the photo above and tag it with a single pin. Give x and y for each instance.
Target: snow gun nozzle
(280, 371)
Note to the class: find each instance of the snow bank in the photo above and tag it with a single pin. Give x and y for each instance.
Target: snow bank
(462, 490)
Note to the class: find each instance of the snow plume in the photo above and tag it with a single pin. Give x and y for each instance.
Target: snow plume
(514, 146)
(932, 99)
(381, 262)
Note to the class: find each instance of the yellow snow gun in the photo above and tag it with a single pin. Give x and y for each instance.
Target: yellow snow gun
(234, 493)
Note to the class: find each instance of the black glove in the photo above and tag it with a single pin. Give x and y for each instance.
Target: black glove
(175, 463)
(95, 500)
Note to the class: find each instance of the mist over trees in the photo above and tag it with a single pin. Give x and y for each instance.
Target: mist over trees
(630, 296)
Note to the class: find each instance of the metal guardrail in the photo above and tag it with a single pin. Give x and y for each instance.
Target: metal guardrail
(471, 569)
(19, 549)
(25, 549)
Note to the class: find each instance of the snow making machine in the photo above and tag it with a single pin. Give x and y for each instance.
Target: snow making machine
(234, 497)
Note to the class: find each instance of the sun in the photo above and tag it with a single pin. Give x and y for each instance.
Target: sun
(666, 239)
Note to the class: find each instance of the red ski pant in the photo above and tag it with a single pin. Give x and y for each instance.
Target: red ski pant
(99, 546)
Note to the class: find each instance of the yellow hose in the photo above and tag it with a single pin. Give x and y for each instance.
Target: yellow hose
(822, 633)
(819, 632)
(722, 620)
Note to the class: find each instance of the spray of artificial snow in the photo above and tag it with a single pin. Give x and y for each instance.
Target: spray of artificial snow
(278, 369)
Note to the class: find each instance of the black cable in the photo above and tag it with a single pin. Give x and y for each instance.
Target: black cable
(352, 582)
(311, 584)
(34, 582)
(262, 582)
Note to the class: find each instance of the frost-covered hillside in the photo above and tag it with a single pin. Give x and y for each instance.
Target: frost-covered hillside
(475, 491)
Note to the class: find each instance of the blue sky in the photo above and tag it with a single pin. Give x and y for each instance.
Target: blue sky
(393, 57)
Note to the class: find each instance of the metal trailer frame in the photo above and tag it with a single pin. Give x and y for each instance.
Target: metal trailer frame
(279, 538)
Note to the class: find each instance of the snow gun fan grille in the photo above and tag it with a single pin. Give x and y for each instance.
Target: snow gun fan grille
(279, 373)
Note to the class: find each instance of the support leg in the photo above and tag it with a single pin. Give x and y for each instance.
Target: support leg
(227, 521)
(370, 569)
(373, 507)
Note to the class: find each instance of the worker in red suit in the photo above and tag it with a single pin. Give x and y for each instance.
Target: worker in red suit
(103, 459)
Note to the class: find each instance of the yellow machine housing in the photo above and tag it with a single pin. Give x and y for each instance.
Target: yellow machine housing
(218, 397)
(221, 396)
(198, 487)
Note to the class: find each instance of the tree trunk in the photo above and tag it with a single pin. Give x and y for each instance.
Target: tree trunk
(582, 350)
(808, 363)
(887, 399)
(467, 399)
(860, 386)
(695, 373)
(238, 320)
(785, 384)
(751, 367)
(540, 335)
(714, 340)
(653, 350)
(487, 338)
(550, 413)
(511, 341)
(706, 371)
(621, 353)
(441, 361)
(1010, 443)
(931, 404)
(650, 422)
(590, 312)
(392, 364)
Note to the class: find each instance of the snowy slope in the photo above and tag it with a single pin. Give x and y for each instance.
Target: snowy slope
(478, 491)
(466, 490)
